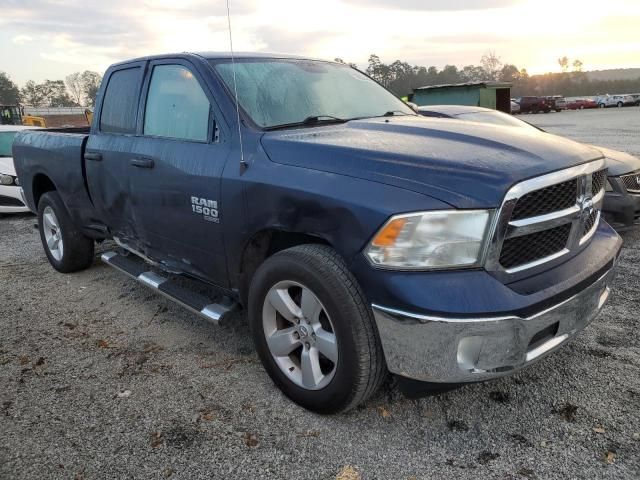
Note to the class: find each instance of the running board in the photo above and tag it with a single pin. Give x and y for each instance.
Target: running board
(138, 270)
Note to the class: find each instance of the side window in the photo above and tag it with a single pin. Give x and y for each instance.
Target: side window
(176, 105)
(120, 102)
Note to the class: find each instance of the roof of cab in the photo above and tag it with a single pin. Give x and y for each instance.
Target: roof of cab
(220, 56)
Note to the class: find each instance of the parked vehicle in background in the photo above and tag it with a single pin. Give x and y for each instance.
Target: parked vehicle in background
(478, 253)
(515, 107)
(11, 200)
(622, 194)
(551, 102)
(622, 198)
(534, 104)
(615, 101)
(10, 115)
(559, 102)
(636, 98)
(581, 103)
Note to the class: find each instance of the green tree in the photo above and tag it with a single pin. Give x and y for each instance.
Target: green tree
(32, 95)
(509, 73)
(472, 73)
(9, 91)
(50, 93)
(56, 95)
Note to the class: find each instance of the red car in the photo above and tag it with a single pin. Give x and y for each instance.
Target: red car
(581, 103)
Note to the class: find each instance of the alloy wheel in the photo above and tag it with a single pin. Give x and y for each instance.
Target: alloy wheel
(52, 233)
(300, 335)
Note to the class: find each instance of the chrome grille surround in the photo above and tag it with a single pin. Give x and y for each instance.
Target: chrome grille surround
(583, 215)
(631, 182)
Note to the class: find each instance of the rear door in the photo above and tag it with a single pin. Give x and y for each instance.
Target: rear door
(109, 147)
(175, 171)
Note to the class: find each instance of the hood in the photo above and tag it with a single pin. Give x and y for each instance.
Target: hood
(465, 164)
(619, 163)
(6, 166)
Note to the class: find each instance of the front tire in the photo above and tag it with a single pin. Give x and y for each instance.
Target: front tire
(67, 249)
(314, 330)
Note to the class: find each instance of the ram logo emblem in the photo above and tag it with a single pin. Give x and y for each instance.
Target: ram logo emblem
(205, 207)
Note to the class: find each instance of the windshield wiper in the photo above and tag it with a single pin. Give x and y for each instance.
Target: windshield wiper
(392, 113)
(311, 120)
(322, 119)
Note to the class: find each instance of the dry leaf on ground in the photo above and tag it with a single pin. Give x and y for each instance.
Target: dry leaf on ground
(348, 473)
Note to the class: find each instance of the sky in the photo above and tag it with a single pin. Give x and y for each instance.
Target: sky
(49, 39)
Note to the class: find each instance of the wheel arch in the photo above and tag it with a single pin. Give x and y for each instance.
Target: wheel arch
(40, 185)
(262, 245)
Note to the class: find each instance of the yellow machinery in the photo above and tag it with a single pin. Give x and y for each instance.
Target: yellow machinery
(88, 115)
(33, 121)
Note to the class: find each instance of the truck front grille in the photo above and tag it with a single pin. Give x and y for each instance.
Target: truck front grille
(597, 182)
(591, 221)
(529, 248)
(545, 218)
(631, 182)
(546, 200)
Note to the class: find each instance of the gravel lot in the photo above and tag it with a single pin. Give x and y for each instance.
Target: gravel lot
(617, 128)
(101, 378)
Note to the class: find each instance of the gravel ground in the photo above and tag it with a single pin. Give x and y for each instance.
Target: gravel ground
(101, 378)
(617, 128)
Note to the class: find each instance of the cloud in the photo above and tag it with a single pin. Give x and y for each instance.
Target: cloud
(281, 41)
(118, 26)
(22, 39)
(435, 5)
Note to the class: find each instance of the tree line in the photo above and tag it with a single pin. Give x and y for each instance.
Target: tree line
(76, 90)
(80, 88)
(402, 78)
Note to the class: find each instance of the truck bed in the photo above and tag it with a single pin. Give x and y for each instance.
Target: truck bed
(54, 156)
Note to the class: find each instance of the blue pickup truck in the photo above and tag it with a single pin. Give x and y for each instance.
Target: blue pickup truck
(360, 237)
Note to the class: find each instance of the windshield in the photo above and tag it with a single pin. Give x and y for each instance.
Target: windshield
(494, 118)
(6, 140)
(276, 92)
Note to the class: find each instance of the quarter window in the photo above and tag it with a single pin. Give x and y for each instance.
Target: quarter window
(177, 107)
(121, 102)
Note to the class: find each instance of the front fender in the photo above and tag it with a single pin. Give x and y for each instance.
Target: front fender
(344, 211)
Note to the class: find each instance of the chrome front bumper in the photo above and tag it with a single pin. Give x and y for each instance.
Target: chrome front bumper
(458, 350)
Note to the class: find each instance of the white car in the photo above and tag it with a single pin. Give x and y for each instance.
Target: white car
(615, 101)
(10, 197)
(515, 107)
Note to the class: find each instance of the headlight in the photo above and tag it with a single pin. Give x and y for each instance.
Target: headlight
(6, 179)
(431, 240)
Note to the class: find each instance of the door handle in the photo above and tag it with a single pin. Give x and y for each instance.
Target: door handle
(95, 156)
(142, 162)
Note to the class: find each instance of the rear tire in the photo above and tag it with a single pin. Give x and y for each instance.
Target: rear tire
(619, 104)
(340, 312)
(67, 249)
